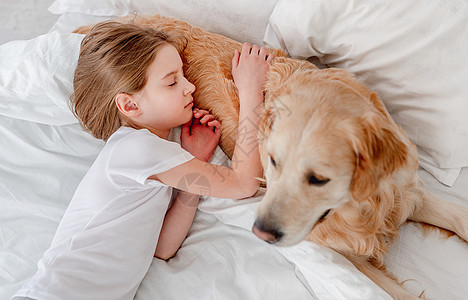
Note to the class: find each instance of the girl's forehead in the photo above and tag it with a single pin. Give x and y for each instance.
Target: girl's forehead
(167, 60)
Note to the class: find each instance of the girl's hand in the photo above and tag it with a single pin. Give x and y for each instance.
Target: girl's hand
(201, 135)
(249, 70)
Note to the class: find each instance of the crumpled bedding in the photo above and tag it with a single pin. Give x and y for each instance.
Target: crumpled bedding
(45, 155)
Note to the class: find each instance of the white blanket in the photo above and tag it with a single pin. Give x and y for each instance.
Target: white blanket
(45, 154)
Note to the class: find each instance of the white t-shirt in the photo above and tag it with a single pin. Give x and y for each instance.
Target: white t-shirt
(106, 240)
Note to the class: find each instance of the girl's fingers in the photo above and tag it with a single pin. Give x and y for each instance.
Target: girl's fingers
(235, 59)
(254, 50)
(263, 53)
(245, 49)
(217, 130)
(270, 58)
(200, 113)
(206, 118)
(214, 123)
(215, 126)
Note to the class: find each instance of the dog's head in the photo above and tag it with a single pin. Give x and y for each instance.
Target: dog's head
(329, 145)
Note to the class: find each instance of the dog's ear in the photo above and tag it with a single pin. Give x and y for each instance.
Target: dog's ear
(267, 118)
(379, 151)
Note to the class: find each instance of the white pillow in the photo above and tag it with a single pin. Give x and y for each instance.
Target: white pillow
(412, 52)
(36, 78)
(67, 22)
(241, 20)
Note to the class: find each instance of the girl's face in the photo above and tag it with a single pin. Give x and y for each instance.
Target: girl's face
(166, 100)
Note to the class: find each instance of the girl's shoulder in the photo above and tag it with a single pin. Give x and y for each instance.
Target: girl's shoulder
(131, 136)
(137, 154)
(125, 132)
(141, 145)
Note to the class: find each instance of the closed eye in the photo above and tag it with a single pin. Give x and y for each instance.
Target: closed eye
(273, 162)
(314, 180)
(173, 84)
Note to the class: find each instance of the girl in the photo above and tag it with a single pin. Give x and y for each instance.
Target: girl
(130, 90)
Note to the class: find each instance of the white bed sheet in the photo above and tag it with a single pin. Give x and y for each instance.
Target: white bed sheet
(433, 262)
(41, 164)
(221, 258)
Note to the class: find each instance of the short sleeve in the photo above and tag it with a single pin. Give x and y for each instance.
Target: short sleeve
(140, 154)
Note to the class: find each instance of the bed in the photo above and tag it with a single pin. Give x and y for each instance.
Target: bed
(412, 52)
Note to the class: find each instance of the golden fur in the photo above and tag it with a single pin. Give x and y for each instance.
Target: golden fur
(326, 143)
(215, 89)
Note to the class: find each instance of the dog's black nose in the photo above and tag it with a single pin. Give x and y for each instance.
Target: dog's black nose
(266, 233)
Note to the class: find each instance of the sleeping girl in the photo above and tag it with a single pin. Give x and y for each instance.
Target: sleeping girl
(130, 91)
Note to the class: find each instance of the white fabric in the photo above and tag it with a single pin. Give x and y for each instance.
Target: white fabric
(432, 261)
(242, 20)
(412, 52)
(115, 215)
(429, 258)
(337, 278)
(38, 155)
(36, 78)
(41, 166)
(68, 22)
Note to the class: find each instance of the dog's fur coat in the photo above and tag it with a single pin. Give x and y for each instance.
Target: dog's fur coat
(339, 171)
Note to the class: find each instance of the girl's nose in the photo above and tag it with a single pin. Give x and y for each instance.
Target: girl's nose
(190, 88)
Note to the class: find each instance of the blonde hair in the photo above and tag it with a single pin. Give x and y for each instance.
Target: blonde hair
(114, 58)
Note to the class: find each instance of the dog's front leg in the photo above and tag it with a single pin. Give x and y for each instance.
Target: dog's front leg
(443, 214)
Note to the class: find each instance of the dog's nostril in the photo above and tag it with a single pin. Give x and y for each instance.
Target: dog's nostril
(266, 233)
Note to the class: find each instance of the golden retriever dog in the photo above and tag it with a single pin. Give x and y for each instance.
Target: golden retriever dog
(339, 171)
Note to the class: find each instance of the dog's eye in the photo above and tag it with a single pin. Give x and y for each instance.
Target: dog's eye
(316, 181)
(273, 162)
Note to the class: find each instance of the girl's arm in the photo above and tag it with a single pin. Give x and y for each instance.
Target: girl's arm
(239, 180)
(176, 224)
(200, 137)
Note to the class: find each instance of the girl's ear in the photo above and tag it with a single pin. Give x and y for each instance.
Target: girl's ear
(127, 105)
